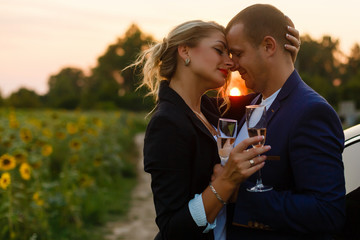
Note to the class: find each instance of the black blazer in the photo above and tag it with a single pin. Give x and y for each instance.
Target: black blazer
(179, 153)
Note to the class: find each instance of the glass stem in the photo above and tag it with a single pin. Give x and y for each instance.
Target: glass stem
(259, 180)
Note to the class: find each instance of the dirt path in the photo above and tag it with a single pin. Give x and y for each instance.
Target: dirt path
(140, 222)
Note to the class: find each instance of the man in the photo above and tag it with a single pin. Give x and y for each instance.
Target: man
(304, 131)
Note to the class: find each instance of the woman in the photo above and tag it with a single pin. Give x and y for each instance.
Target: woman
(180, 150)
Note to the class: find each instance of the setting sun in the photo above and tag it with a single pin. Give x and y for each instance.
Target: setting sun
(235, 92)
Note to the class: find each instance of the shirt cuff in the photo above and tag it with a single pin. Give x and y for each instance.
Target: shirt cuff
(197, 211)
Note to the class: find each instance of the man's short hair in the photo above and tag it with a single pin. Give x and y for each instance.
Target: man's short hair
(261, 20)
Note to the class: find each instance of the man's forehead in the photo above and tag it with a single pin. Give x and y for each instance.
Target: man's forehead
(236, 29)
(235, 34)
(237, 38)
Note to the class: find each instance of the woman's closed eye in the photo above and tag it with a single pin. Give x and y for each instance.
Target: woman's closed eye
(219, 51)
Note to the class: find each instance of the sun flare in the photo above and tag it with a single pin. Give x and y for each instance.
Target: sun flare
(235, 91)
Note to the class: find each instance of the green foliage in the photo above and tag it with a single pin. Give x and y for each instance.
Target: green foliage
(24, 98)
(319, 67)
(350, 87)
(318, 57)
(108, 83)
(80, 171)
(135, 101)
(1, 100)
(65, 88)
(353, 63)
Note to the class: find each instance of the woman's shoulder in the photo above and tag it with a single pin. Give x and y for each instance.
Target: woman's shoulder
(168, 110)
(167, 113)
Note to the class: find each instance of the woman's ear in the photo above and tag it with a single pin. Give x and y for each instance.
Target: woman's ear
(183, 52)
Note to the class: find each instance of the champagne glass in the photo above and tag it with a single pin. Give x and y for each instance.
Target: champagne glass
(226, 134)
(256, 125)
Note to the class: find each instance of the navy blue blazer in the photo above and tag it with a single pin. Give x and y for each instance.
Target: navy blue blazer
(179, 153)
(308, 200)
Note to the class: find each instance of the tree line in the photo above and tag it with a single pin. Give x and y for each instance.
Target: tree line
(321, 64)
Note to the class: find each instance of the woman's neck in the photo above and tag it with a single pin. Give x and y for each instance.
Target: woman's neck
(189, 92)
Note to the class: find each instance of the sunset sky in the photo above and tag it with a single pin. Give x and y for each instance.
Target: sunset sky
(40, 37)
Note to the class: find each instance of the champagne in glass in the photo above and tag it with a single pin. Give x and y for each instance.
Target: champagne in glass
(253, 132)
(256, 125)
(226, 134)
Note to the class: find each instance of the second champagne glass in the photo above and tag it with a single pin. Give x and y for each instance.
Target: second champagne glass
(226, 134)
(256, 125)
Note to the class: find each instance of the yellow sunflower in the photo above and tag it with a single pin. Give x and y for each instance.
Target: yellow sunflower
(98, 161)
(12, 137)
(74, 159)
(20, 157)
(25, 171)
(75, 144)
(7, 143)
(54, 115)
(5, 180)
(37, 199)
(92, 131)
(37, 164)
(97, 122)
(60, 135)
(35, 122)
(47, 133)
(13, 122)
(7, 162)
(86, 181)
(25, 135)
(46, 150)
(72, 128)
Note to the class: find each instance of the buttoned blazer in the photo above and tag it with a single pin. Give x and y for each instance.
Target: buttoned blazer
(308, 200)
(179, 153)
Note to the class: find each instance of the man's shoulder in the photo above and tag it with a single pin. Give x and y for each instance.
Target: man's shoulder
(307, 96)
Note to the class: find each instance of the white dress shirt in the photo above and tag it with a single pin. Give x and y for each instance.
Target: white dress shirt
(243, 134)
(196, 205)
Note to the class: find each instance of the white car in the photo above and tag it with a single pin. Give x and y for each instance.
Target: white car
(351, 158)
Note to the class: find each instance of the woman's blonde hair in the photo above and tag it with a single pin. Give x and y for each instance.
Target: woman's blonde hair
(160, 60)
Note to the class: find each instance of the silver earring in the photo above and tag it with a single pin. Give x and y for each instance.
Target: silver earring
(187, 62)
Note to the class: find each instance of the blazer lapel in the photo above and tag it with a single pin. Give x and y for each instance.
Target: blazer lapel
(285, 91)
(197, 122)
(168, 94)
(272, 110)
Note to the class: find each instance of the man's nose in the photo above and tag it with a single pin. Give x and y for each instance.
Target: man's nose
(229, 63)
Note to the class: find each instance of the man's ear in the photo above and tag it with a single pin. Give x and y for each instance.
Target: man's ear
(269, 45)
(183, 51)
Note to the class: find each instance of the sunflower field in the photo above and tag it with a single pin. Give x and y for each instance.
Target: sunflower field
(63, 174)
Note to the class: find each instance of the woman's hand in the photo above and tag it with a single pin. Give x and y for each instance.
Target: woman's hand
(244, 162)
(294, 38)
